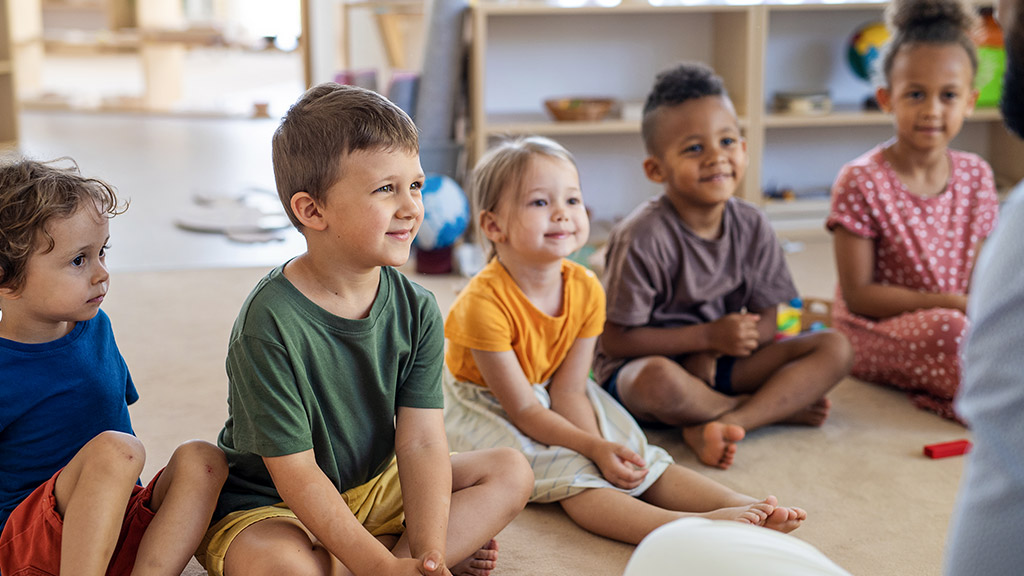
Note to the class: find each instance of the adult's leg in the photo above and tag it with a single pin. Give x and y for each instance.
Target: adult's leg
(91, 493)
(183, 498)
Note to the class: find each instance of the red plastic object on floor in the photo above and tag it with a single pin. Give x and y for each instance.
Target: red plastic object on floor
(946, 449)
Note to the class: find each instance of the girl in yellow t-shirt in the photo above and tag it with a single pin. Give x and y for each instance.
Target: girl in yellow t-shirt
(520, 343)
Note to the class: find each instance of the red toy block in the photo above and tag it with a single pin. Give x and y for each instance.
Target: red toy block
(946, 449)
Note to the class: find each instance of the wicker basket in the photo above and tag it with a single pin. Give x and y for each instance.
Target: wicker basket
(579, 109)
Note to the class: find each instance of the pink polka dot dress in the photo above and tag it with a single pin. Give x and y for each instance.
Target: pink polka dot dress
(922, 243)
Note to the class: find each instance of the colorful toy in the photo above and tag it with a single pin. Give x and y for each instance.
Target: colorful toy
(788, 319)
(445, 213)
(946, 449)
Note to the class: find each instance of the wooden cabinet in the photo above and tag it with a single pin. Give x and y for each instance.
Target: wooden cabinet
(524, 51)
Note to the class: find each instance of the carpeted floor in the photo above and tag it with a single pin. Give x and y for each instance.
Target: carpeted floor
(876, 506)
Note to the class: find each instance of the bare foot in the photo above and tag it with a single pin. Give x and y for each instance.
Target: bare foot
(714, 442)
(785, 519)
(480, 563)
(756, 513)
(813, 415)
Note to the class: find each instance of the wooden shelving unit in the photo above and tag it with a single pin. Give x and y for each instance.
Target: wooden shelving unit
(523, 51)
(8, 99)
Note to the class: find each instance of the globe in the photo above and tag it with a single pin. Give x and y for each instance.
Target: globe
(445, 213)
(864, 47)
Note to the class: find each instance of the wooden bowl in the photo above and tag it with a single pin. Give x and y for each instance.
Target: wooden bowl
(579, 109)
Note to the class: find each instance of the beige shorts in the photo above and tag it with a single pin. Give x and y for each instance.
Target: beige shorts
(377, 505)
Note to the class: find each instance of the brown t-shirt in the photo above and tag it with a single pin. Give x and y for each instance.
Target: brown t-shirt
(659, 273)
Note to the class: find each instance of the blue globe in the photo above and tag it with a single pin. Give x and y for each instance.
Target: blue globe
(445, 213)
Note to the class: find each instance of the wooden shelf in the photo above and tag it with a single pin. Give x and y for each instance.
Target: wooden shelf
(543, 8)
(523, 51)
(842, 118)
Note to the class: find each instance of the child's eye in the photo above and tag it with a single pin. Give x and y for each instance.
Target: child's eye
(103, 251)
(693, 149)
(78, 261)
(728, 141)
(915, 95)
(386, 188)
(417, 185)
(575, 201)
(950, 95)
(539, 202)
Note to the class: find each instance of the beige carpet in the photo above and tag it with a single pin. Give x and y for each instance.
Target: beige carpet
(876, 506)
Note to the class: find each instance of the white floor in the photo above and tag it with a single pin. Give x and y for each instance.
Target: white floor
(160, 164)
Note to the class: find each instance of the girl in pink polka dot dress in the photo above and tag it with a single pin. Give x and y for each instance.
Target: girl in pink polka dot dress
(909, 216)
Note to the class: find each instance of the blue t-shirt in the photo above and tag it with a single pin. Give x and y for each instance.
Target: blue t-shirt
(55, 397)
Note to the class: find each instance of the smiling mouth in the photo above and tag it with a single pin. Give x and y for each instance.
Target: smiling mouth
(717, 177)
(400, 234)
(97, 299)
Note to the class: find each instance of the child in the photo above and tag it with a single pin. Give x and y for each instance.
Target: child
(520, 342)
(69, 499)
(694, 277)
(909, 215)
(334, 370)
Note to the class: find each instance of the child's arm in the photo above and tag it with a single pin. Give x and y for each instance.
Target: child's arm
(568, 388)
(734, 334)
(425, 472)
(505, 378)
(316, 502)
(855, 264)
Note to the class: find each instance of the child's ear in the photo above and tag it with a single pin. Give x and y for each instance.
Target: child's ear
(491, 228)
(972, 100)
(652, 168)
(8, 294)
(307, 212)
(884, 98)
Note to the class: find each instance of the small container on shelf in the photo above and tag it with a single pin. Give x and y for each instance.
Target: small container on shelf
(580, 109)
(802, 102)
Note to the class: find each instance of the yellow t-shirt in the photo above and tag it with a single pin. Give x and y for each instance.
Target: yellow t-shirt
(492, 314)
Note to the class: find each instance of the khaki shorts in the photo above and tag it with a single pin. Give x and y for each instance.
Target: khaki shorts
(377, 505)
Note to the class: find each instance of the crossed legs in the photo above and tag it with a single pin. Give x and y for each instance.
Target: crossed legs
(489, 488)
(783, 382)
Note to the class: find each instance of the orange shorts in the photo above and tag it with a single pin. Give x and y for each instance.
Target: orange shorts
(30, 542)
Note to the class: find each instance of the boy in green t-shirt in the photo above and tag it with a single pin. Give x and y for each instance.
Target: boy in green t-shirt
(335, 435)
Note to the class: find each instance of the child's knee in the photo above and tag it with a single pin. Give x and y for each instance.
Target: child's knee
(115, 453)
(512, 467)
(657, 382)
(201, 459)
(942, 333)
(838, 348)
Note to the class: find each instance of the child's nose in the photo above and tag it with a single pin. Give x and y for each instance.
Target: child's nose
(100, 274)
(411, 206)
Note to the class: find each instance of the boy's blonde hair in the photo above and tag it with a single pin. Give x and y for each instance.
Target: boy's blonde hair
(326, 124)
(935, 22)
(501, 169)
(32, 193)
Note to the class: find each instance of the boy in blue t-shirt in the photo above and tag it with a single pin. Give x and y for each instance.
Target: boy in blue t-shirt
(335, 434)
(69, 495)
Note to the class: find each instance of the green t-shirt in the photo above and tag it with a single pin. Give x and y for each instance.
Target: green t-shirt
(301, 378)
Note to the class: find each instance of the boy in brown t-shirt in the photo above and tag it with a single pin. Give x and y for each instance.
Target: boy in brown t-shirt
(693, 280)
